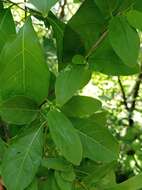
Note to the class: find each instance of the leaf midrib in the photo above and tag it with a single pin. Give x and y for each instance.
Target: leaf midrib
(28, 150)
(97, 142)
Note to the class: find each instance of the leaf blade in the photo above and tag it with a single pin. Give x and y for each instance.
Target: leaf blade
(98, 143)
(18, 110)
(134, 18)
(7, 26)
(64, 136)
(43, 6)
(23, 65)
(69, 82)
(22, 160)
(120, 33)
(81, 106)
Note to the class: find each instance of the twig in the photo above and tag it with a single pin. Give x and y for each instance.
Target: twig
(15, 4)
(123, 94)
(135, 91)
(62, 13)
(25, 10)
(97, 43)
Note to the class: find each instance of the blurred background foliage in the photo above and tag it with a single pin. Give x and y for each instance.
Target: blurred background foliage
(121, 96)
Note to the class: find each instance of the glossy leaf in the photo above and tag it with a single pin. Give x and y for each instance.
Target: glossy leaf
(43, 6)
(120, 32)
(64, 185)
(50, 183)
(70, 81)
(69, 175)
(61, 165)
(58, 28)
(18, 110)
(22, 159)
(78, 60)
(33, 185)
(56, 164)
(109, 180)
(98, 173)
(99, 118)
(138, 5)
(23, 70)
(65, 136)
(3, 148)
(106, 6)
(81, 106)
(70, 49)
(133, 183)
(7, 26)
(105, 60)
(134, 18)
(125, 5)
(83, 37)
(98, 143)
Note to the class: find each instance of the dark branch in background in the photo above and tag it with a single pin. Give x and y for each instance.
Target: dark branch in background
(136, 91)
(25, 10)
(134, 94)
(62, 6)
(13, 4)
(123, 94)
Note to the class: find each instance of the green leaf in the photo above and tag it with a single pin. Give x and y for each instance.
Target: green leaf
(138, 5)
(134, 18)
(125, 5)
(100, 118)
(1, 6)
(70, 81)
(106, 6)
(43, 6)
(124, 40)
(105, 60)
(70, 49)
(78, 60)
(3, 148)
(65, 136)
(133, 183)
(56, 163)
(50, 183)
(23, 70)
(22, 159)
(58, 29)
(64, 185)
(68, 175)
(18, 110)
(98, 143)
(108, 180)
(33, 185)
(81, 106)
(62, 165)
(7, 26)
(98, 173)
(83, 37)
